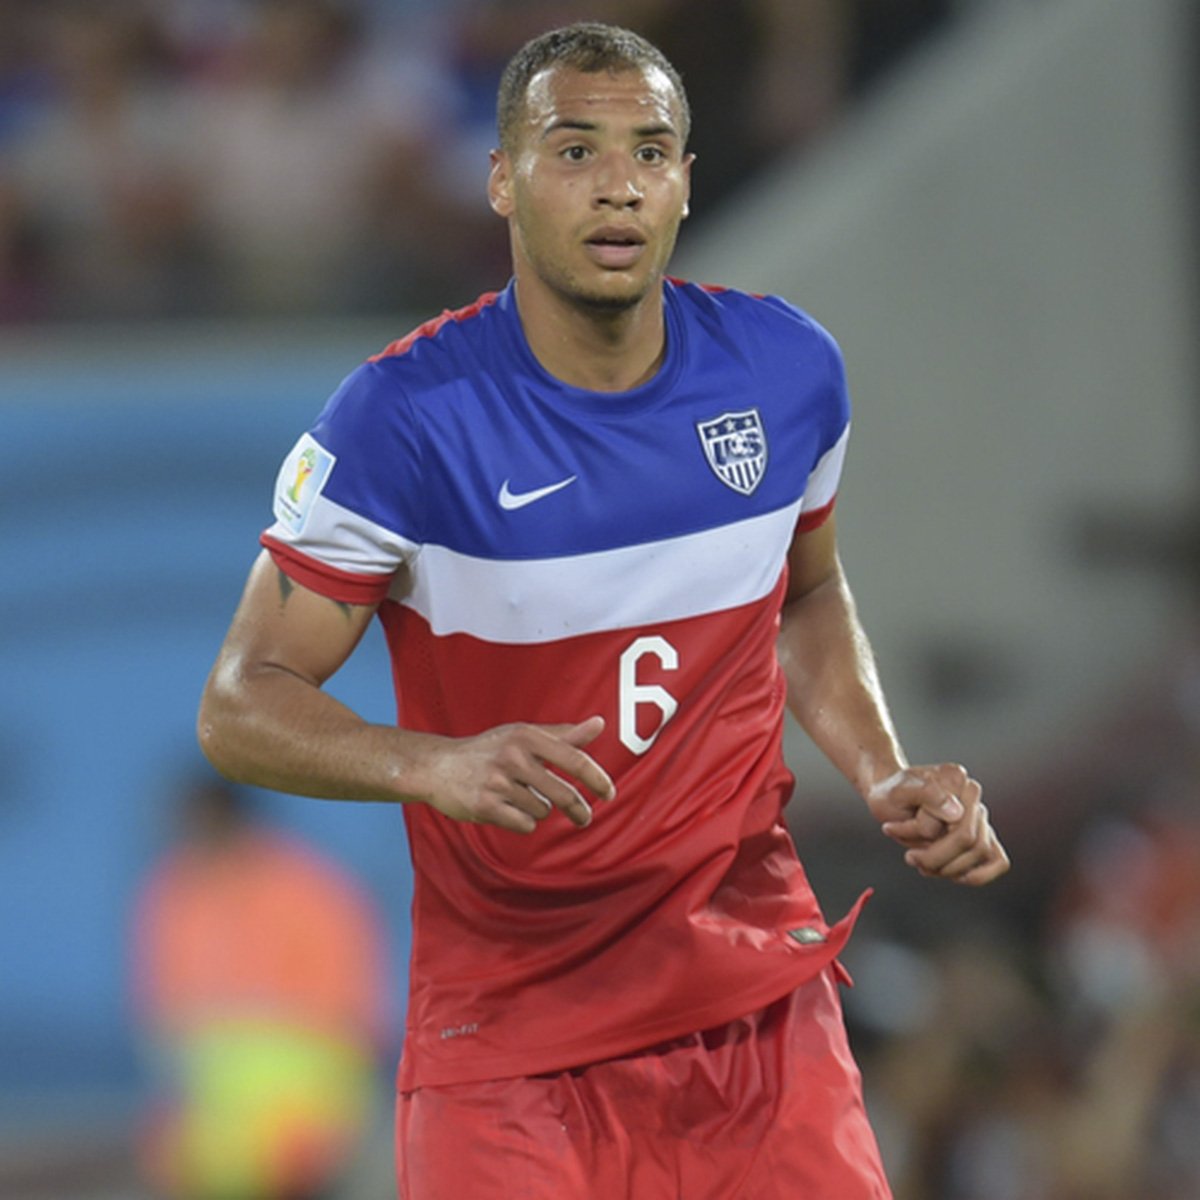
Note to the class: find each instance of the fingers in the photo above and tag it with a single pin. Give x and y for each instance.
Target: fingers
(935, 792)
(517, 806)
(949, 792)
(937, 814)
(549, 791)
(996, 865)
(918, 830)
(968, 853)
(515, 776)
(504, 815)
(564, 752)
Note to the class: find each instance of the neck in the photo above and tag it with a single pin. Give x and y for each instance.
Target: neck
(601, 350)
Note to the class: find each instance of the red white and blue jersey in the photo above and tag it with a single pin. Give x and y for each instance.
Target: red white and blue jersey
(544, 553)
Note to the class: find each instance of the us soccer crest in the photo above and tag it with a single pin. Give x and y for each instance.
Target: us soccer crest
(735, 445)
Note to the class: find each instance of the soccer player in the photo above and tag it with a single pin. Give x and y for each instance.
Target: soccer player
(594, 514)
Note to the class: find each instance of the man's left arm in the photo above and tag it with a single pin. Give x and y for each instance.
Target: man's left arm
(935, 812)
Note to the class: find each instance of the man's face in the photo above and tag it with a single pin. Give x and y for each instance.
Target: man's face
(595, 185)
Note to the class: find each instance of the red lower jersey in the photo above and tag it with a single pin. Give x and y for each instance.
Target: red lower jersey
(544, 554)
(765, 1107)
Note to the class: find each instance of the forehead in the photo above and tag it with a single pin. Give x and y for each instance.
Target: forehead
(637, 96)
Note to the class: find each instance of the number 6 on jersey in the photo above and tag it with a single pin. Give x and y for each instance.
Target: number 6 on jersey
(633, 693)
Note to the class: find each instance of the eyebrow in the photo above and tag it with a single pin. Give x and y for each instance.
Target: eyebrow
(659, 129)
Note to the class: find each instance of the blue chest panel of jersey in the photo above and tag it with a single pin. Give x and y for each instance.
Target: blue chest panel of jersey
(465, 441)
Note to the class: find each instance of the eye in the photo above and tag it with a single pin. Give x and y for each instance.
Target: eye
(651, 154)
(575, 153)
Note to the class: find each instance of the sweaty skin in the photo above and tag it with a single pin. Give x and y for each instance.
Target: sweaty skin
(594, 191)
(935, 812)
(264, 719)
(593, 187)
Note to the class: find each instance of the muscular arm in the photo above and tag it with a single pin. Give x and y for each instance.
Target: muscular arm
(264, 719)
(934, 812)
(833, 686)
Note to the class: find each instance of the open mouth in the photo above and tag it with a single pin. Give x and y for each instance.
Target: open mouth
(616, 248)
(616, 236)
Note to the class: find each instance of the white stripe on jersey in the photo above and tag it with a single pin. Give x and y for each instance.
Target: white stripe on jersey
(340, 538)
(823, 482)
(523, 602)
(526, 601)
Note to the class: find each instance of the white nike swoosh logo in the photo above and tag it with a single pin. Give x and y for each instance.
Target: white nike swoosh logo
(510, 500)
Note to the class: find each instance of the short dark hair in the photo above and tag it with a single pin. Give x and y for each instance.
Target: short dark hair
(589, 46)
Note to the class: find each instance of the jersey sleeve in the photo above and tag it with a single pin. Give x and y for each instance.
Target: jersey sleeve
(827, 403)
(348, 497)
(833, 423)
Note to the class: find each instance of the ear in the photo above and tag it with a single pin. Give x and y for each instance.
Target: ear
(500, 183)
(688, 159)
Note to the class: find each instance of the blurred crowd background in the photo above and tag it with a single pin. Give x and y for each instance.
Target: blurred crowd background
(217, 157)
(193, 191)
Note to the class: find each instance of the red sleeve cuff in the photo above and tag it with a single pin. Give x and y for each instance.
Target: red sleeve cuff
(342, 586)
(815, 519)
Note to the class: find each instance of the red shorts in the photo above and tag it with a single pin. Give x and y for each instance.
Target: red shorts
(768, 1107)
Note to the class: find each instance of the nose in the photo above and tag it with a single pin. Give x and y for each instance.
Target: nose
(616, 182)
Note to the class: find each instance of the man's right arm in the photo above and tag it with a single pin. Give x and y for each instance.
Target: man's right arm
(265, 720)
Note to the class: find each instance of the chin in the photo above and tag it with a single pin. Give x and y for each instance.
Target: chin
(617, 298)
(610, 303)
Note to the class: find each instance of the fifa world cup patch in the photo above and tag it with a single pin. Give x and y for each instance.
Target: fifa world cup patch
(735, 444)
(300, 481)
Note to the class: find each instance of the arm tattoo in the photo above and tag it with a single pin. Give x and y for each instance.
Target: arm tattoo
(287, 587)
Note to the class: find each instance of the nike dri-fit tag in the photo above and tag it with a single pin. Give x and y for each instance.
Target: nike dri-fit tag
(510, 500)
